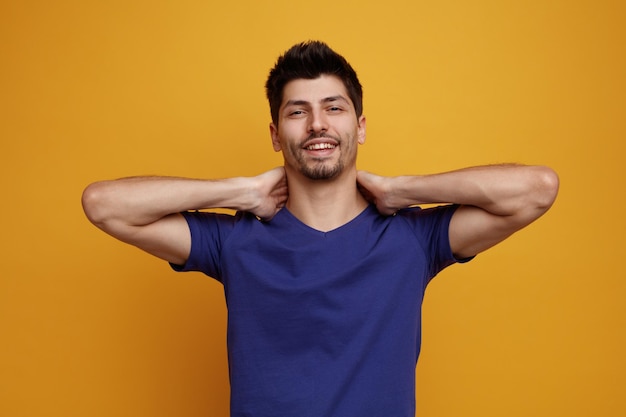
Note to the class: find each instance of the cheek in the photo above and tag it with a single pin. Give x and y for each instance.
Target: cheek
(287, 131)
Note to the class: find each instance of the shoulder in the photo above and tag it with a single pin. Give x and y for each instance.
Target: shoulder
(429, 215)
(217, 224)
(431, 226)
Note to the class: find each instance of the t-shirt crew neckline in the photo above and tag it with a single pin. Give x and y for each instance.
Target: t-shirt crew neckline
(346, 226)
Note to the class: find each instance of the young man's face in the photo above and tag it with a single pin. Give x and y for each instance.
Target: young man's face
(318, 131)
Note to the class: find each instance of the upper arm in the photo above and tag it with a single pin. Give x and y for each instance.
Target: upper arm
(473, 230)
(125, 210)
(168, 238)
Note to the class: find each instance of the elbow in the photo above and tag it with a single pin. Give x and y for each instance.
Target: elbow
(94, 203)
(546, 186)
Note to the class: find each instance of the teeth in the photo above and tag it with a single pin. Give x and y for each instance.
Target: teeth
(319, 146)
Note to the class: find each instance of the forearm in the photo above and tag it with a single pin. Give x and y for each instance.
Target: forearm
(499, 189)
(140, 201)
(502, 190)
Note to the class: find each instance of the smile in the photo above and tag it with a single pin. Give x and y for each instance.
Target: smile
(320, 146)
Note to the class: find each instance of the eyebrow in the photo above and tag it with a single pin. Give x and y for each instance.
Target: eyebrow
(324, 100)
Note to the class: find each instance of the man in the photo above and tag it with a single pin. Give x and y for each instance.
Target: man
(324, 267)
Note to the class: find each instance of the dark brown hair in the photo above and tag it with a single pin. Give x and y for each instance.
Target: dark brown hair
(310, 60)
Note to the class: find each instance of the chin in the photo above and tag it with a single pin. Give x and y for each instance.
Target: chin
(322, 172)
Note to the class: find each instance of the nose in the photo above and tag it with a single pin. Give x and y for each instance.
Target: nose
(318, 122)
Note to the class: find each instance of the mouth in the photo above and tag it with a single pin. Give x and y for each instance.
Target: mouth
(320, 146)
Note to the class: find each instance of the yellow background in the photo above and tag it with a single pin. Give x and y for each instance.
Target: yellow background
(95, 90)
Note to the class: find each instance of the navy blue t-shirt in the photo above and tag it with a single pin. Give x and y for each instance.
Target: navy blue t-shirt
(322, 323)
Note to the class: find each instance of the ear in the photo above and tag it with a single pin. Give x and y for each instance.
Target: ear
(361, 130)
(275, 138)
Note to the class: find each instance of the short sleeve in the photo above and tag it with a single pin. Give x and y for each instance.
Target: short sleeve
(208, 231)
(431, 227)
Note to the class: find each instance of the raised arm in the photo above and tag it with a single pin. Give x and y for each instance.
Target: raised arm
(496, 200)
(145, 211)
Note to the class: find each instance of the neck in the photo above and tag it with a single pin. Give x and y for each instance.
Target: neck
(325, 204)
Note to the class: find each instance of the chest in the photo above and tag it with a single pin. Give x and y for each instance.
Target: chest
(296, 268)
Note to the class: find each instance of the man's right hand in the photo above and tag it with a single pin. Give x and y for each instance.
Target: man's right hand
(270, 189)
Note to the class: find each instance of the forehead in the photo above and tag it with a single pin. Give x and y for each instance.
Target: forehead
(314, 90)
